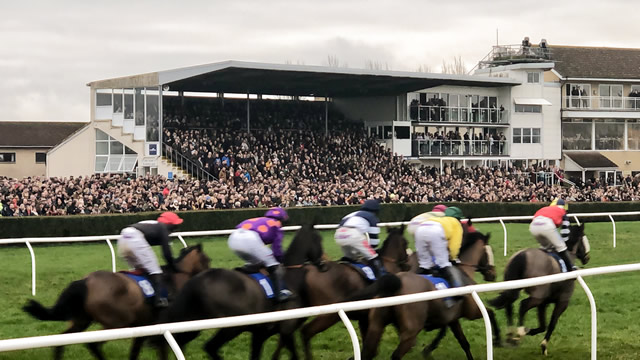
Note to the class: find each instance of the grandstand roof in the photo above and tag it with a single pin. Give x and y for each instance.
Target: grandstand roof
(43, 134)
(591, 160)
(596, 62)
(287, 79)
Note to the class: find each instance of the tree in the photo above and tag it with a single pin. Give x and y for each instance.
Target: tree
(333, 61)
(457, 66)
(424, 68)
(376, 65)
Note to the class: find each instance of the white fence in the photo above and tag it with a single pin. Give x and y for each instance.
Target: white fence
(181, 235)
(341, 308)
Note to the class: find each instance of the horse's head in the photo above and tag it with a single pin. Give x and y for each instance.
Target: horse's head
(476, 251)
(578, 243)
(394, 250)
(192, 260)
(306, 246)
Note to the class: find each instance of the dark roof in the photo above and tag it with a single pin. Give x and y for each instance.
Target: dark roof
(596, 62)
(288, 79)
(590, 159)
(35, 134)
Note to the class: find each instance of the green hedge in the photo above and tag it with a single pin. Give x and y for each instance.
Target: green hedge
(79, 225)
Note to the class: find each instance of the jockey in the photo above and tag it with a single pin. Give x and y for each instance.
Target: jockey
(437, 210)
(134, 245)
(248, 242)
(438, 239)
(358, 234)
(543, 228)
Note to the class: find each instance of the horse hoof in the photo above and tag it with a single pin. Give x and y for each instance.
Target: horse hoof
(543, 346)
(522, 331)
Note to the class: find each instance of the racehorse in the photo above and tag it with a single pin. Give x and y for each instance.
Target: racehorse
(339, 281)
(530, 263)
(475, 255)
(222, 292)
(114, 300)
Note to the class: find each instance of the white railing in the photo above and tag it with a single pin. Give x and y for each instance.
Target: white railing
(578, 102)
(341, 308)
(181, 235)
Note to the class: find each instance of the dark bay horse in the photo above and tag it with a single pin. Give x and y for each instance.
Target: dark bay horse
(113, 300)
(410, 319)
(530, 263)
(219, 293)
(337, 282)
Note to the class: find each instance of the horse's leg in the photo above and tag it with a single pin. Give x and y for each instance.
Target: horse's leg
(77, 325)
(462, 340)
(557, 311)
(542, 320)
(289, 342)
(135, 348)
(434, 344)
(95, 350)
(525, 305)
(258, 337)
(407, 342)
(220, 338)
(371, 339)
(317, 325)
(276, 353)
(497, 341)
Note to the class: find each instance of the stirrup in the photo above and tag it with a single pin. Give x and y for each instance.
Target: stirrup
(284, 295)
(161, 302)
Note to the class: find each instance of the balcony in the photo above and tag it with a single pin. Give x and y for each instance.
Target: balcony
(460, 148)
(604, 103)
(458, 114)
(513, 54)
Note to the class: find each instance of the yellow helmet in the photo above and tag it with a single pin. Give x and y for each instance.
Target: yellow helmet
(559, 202)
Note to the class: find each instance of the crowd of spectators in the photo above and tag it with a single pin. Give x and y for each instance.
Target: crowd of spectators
(288, 161)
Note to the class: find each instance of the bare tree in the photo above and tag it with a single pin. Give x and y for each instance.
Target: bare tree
(457, 66)
(298, 62)
(376, 65)
(424, 68)
(333, 61)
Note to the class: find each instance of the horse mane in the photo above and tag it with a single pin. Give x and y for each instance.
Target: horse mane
(185, 251)
(302, 248)
(469, 239)
(397, 230)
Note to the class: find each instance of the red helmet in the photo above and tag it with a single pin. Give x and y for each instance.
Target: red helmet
(170, 218)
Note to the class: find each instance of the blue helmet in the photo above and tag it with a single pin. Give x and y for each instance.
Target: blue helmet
(371, 205)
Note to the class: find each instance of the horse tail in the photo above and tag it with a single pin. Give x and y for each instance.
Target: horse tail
(515, 270)
(386, 285)
(69, 305)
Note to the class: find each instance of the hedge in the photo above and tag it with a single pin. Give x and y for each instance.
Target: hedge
(79, 225)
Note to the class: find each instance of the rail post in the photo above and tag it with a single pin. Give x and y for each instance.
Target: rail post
(487, 324)
(174, 345)
(33, 269)
(614, 229)
(184, 243)
(352, 334)
(594, 319)
(504, 230)
(113, 256)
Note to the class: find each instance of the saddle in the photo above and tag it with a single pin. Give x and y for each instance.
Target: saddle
(261, 276)
(364, 270)
(553, 254)
(143, 283)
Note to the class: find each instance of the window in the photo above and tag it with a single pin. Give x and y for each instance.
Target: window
(517, 135)
(7, 157)
(402, 132)
(112, 156)
(633, 136)
(41, 158)
(610, 96)
(526, 135)
(577, 135)
(533, 77)
(103, 98)
(609, 134)
(117, 101)
(528, 108)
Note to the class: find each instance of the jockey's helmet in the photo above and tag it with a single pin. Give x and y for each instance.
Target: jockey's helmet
(170, 218)
(439, 208)
(277, 213)
(455, 212)
(371, 205)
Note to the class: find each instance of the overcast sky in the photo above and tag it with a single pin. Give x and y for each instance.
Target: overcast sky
(50, 50)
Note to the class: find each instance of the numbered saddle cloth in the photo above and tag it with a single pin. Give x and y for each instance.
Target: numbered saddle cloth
(265, 283)
(365, 270)
(563, 266)
(438, 282)
(143, 282)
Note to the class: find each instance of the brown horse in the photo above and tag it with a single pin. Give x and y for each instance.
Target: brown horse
(410, 319)
(530, 263)
(339, 281)
(113, 300)
(223, 292)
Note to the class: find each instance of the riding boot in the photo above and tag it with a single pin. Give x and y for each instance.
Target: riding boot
(159, 299)
(564, 255)
(377, 267)
(276, 274)
(453, 278)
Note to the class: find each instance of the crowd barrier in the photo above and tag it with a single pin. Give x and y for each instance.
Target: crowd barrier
(182, 235)
(168, 329)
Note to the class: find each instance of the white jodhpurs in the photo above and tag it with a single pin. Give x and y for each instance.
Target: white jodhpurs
(354, 244)
(431, 245)
(136, 251)
(249, 247)
(544, 230)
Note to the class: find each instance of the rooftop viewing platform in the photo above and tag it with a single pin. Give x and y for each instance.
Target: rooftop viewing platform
(516, 54)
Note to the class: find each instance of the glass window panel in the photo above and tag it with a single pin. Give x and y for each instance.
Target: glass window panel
(402, 132)
(152, 123)
(114, 162)
(493, 102)
(517, 138)
(633, 136)
(127, 150)
(103, 99)
(526, 136)
(535, 135)
(454, 100)
(41, 158)
(102, 148)
(101, 135)
(475, 101)
(128, 104)
(609, 135)
(576, 135)
(101, 163)
(605, 90)
(139, 107)
(116, 147)
(117, 101)
(413, 101)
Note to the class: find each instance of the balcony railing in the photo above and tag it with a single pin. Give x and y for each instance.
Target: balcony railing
(601, 103)
(509, 54)
(461, 147)
(458, 114)
(189, 166)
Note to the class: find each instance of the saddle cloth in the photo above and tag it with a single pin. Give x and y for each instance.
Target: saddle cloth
(143, 283)
(439, 283)
(265, 283)
(364, 270)
(563, 266)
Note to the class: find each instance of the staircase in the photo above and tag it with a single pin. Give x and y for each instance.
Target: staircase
(177, 160)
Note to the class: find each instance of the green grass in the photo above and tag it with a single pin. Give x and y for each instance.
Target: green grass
(616, 297)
